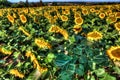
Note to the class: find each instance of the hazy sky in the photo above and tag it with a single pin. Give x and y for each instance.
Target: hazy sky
(67, 0)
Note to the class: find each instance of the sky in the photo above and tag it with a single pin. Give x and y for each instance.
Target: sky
(66, 0)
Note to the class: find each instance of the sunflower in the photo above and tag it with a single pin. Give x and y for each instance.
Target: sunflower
(24, 31)
(111, 19)
(23, 18)
(117, 26)
(42, 43)
(10, 18)
(97, 12)
(5, 51)
(1, 14)
(77, 15)
(108, 12)
(64, 33)
(77, 29)
(66, 12)
(92, 10)
(114, 52)
(36, 20)
(35, 62)
(64, 18)
(79, 21)
(16, 73)
(14, 15)
(117, 14)
(95, 35)
(55, 29)
(84, 11)
(102, 15)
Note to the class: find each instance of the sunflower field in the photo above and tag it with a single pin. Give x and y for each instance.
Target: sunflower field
(60, 43)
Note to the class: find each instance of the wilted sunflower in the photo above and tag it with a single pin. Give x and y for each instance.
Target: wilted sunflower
(10, 18)
(23, 18)
(101, 15)
(42, 43)
(79, 21)
(64, 18)
(95, 35)
(16, 73)
(117, 26)
(114, 52)
(77, 29)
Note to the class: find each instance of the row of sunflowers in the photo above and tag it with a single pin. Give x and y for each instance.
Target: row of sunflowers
(60, 43)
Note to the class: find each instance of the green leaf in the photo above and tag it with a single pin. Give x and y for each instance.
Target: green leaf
(100, 72)
(71, 68)
(64, 76)
(50, 57)
(62, 59)
(80, 70)
(107, 77)
(72, 39)
(1, 71)
(117, 69)
(35, 75)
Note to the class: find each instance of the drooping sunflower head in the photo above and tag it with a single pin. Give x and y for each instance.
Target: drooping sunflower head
(102, 15)
(10, 18)
(23, 18)
(95, 35)
(16, 73)
(117, 26)
(79, 21)
(114, 52)
(64, 18)
(41, 43)
(77, 29)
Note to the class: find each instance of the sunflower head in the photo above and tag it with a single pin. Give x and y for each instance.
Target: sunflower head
(102, 15)
(111, 19)
(84, 11)
(10, 18)
(117, 26)
(79, 21)
(114, 52)
(95, 35)
(117, 14)
(77, 15)
(64, 18)
(77, 29)
(16, 73)
(23, 18)
(92, 10)
(55, 29)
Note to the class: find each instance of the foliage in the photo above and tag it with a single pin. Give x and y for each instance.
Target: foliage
(43, 45)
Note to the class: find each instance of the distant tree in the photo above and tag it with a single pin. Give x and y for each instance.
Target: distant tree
(41, 4)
